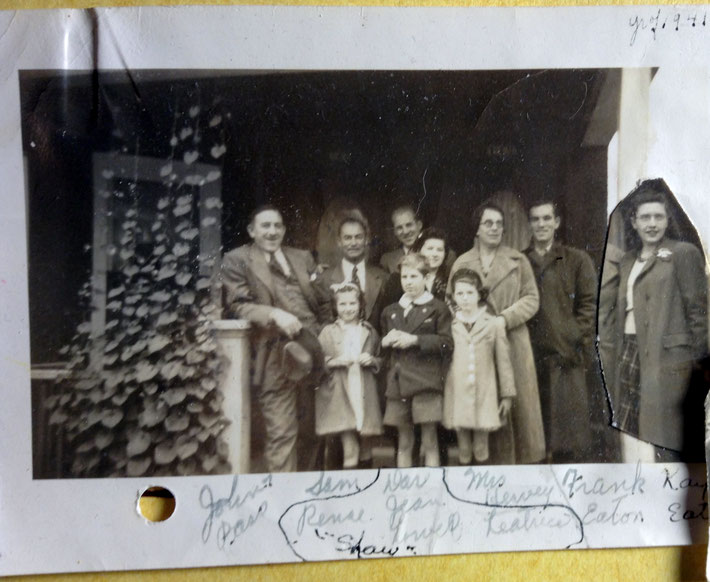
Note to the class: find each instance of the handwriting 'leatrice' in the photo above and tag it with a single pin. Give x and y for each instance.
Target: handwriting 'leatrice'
(401, 513)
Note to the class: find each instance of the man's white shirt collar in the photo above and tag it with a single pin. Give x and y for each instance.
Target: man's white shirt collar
(545, 249)
(280, 259)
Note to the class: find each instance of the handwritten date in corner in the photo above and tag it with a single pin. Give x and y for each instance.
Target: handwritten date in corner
(661, 21)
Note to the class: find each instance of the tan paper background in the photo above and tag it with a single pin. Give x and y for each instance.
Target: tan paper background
(649, 565)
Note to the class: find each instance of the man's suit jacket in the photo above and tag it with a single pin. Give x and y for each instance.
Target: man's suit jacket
(390, 260)
(376, 289)
(248, 293)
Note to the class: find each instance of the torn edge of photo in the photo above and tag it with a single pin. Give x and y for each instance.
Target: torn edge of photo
(351, 282)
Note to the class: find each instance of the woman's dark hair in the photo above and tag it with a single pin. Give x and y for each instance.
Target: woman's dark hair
(335, 290)
(646, 192)
(472, 278)
(478, 213)
(429, 233)
(442, 273)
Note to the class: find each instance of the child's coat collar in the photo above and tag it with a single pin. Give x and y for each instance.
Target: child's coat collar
(405, 301)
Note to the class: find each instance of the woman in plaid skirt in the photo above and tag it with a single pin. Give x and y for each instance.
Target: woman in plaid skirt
(661, 327)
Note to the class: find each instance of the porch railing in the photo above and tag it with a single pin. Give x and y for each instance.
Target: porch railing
(49, 454)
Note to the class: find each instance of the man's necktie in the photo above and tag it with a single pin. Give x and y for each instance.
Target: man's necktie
(354, 278)
(276, 267)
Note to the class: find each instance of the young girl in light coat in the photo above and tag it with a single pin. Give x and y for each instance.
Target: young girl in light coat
(348, 403)
(479, 387)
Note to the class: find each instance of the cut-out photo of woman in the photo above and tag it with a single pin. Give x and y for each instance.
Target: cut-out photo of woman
(653, 326)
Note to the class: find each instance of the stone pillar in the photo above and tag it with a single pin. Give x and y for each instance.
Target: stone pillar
(233, 338)
(634, 128)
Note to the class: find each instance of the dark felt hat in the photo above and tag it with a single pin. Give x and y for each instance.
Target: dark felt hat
(302, 356)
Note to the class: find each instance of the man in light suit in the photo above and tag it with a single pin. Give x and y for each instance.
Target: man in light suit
(353, 241)
(270, 286)
(407, 228)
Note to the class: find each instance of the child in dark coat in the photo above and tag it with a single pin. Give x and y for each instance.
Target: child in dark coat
(417, 335)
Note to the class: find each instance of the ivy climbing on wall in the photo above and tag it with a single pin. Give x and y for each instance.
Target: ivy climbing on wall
(140, 394)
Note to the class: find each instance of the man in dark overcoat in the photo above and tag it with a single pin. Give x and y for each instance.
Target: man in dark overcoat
(270, 285)
(562, 335)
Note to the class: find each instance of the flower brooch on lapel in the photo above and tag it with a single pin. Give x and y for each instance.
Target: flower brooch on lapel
(664, 254)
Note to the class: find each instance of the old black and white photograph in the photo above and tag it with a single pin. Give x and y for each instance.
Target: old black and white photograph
(334, 283)
(257, 271)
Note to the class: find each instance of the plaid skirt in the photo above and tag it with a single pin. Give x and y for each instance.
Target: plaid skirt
(627, 411)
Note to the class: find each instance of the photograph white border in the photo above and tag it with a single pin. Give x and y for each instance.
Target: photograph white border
(77, 525)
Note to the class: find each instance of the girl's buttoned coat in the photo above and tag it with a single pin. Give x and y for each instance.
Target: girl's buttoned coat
(480, 375)
(670, 312)
(513, 294)
(334, 413)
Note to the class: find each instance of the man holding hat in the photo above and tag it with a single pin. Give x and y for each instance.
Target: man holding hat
(270, 285)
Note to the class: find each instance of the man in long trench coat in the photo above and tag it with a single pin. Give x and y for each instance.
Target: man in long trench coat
(562, 334)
